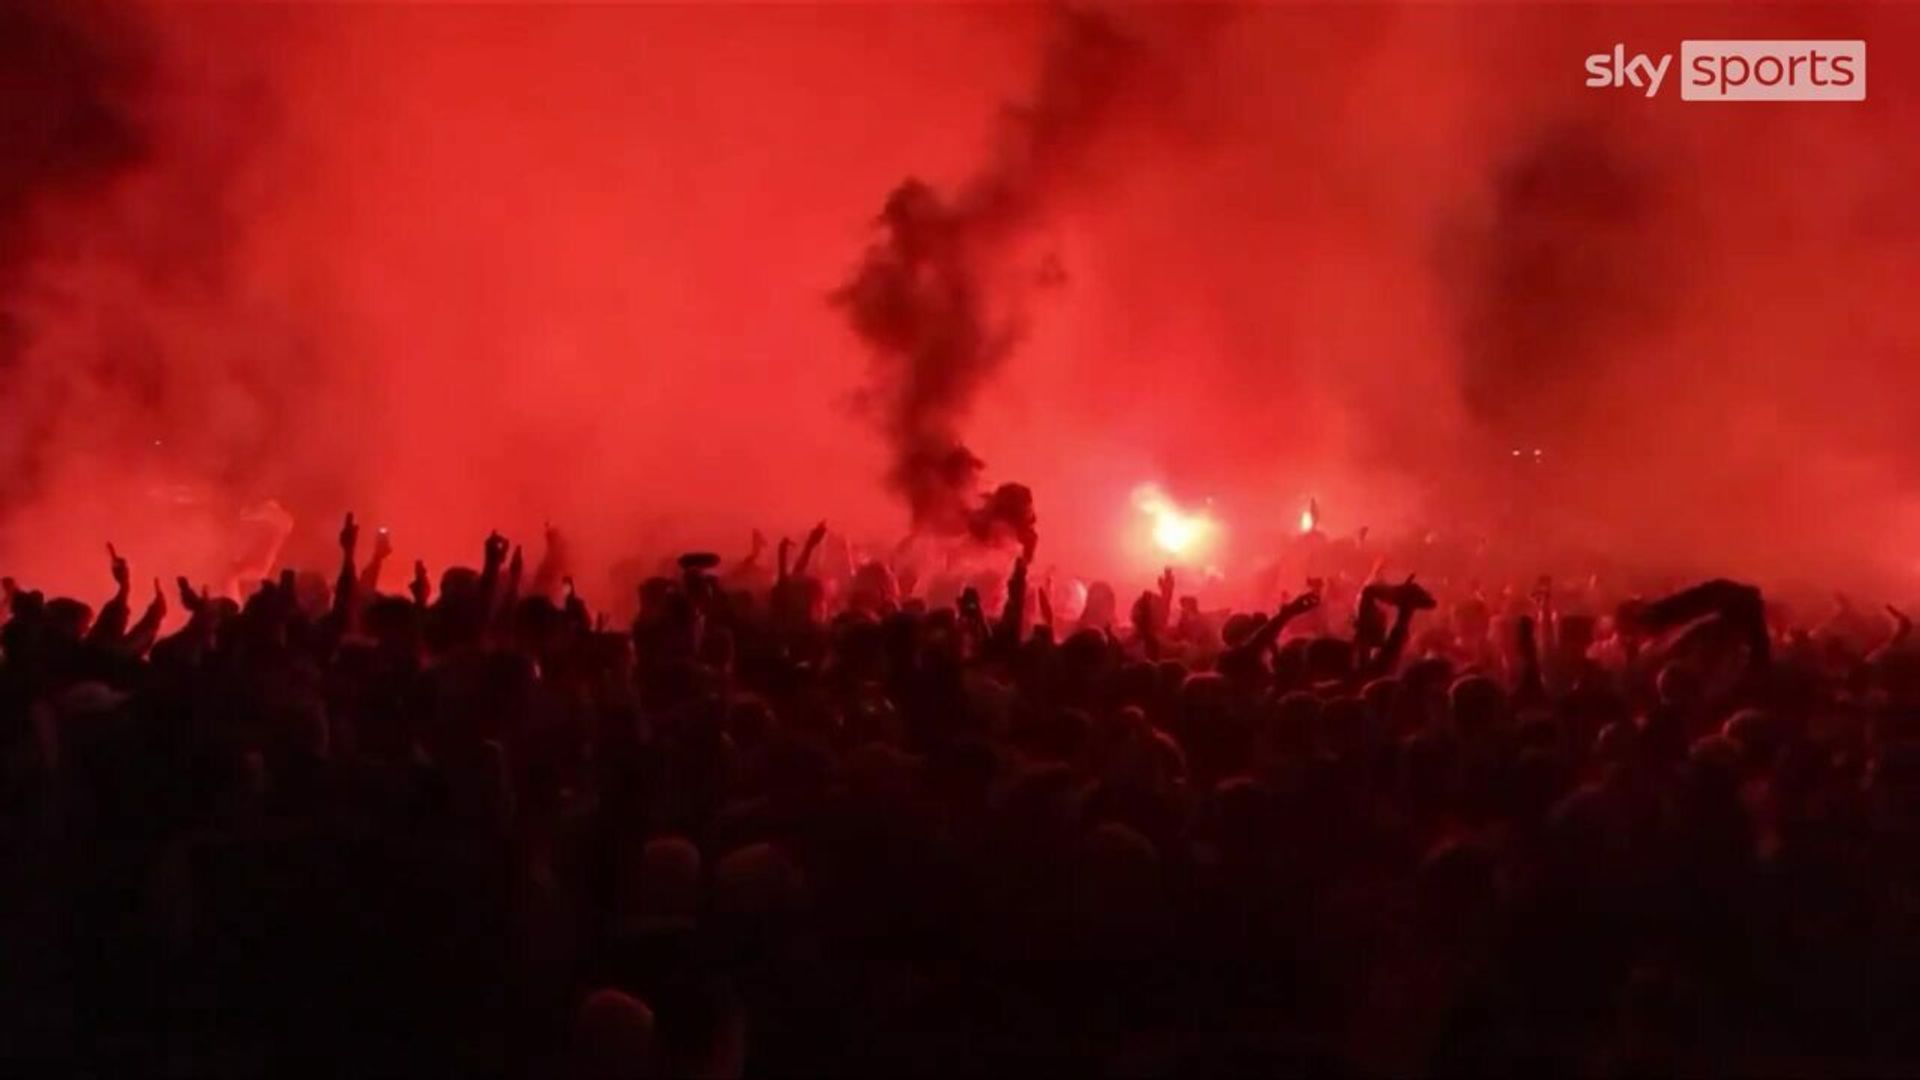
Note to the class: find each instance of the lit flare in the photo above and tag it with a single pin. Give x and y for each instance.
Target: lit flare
(1175, 531)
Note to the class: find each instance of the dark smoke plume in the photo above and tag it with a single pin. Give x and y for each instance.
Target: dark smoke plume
(937, 302)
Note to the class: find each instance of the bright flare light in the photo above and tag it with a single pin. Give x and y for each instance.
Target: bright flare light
(1310, 517)
(1176, 531)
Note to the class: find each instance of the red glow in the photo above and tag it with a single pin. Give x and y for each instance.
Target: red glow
(463, 267)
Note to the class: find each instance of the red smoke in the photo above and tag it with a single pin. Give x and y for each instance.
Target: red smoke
(471, 266)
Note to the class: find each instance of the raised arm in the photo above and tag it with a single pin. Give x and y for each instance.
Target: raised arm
(194, 602)
(147, 630)
(757, 546)
(1013, 612)
(1902, 630)
(814, 536)
(554, 565)
(1407, 598)
(369, 584)
(1269, 631)
(109, 627)
(1369, 625)
(343, 585)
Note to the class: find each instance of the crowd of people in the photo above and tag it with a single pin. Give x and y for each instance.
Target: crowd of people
(801, 822)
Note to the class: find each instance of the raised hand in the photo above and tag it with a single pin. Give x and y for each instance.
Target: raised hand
(157, 607)
(189, 599)
(1301, 604)
(1166, 586)
(122, 574)
(349, 534)
(496, 549)
(382, 543)
(816, 534)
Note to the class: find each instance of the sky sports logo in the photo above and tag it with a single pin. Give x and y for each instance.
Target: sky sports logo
(1742, 70)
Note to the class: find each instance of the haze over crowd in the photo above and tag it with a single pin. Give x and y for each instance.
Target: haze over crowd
(465, 267)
